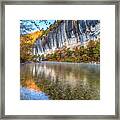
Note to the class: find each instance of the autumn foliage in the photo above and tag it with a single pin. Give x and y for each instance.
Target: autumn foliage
(88, 53)
(26, 44)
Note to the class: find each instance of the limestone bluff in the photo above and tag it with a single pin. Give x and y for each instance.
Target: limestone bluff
(68, 33)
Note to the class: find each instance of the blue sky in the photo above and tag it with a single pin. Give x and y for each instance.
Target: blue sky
(27, 26)
(43, 25)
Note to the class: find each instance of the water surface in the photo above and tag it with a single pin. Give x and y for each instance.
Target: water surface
(60, 81)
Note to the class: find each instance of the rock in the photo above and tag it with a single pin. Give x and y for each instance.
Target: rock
(68, 33)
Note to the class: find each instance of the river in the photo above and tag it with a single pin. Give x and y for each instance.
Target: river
(59, 81)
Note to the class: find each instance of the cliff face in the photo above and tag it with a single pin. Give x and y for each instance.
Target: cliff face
(68, 33)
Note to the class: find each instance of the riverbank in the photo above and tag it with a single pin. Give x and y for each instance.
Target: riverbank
(55, 62)
(69, 63)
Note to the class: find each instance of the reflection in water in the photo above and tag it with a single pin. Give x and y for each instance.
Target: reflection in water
(30, 84)
(30, 94)
(61, 81)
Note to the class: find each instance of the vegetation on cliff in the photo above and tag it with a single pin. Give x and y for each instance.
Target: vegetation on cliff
(88, 53)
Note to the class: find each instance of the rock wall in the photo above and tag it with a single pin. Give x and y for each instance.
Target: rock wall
(67, 33)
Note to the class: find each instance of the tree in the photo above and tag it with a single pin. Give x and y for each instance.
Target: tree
(26, 46)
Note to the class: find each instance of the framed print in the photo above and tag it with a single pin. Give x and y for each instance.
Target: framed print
(60, 60)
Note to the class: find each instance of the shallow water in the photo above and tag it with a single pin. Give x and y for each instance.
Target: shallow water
(60, 81)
